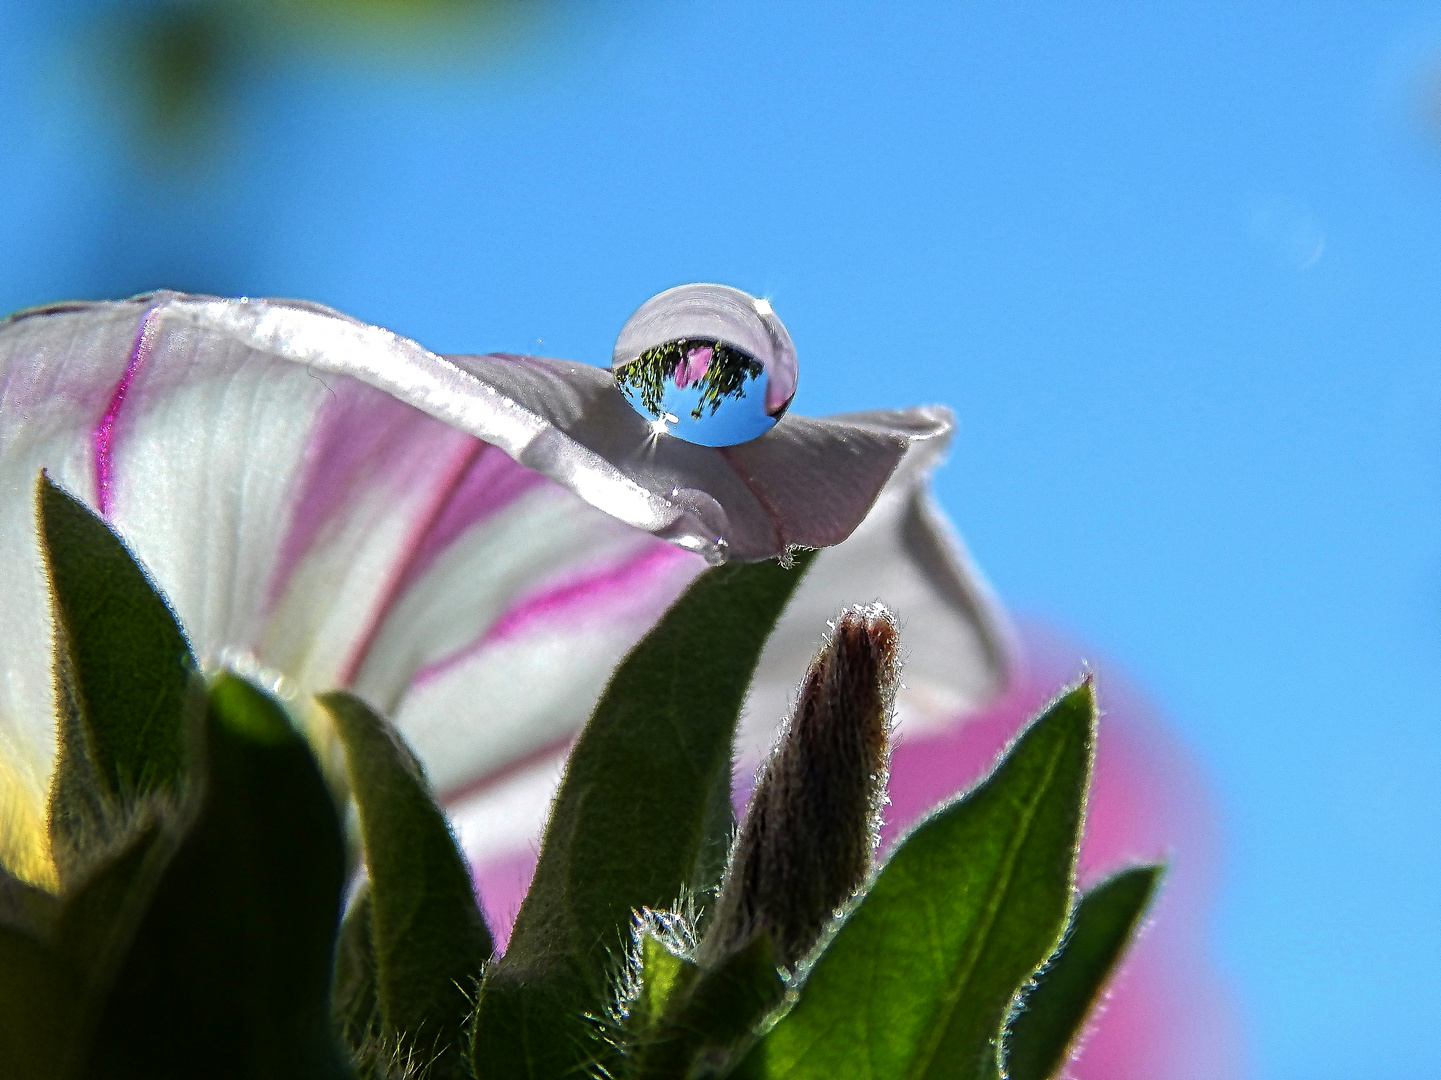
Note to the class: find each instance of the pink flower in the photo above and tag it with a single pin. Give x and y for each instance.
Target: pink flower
(470, 543)
(694, 366)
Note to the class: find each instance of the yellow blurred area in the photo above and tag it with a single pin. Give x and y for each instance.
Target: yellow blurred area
(24, 838)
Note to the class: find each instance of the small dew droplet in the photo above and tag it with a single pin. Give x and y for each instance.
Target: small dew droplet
(706, 363)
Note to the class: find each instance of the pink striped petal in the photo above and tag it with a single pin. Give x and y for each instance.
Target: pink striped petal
(346, 508)
(533, 672)
(54, 414)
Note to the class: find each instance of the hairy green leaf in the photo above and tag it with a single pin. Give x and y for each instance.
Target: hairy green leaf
(124, 678)
(918, 981)
(354, 1001)
(228, 974)
(634, 823)
(713, 1014)
(1043, 1032)
(662, 975)
(429, 937)
(718, 830)
(101, 912)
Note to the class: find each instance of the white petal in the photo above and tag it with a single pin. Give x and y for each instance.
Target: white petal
(48, 409)
(566, 421)
(509, 813)
(315, 492)
(535, 609)
(805, 483)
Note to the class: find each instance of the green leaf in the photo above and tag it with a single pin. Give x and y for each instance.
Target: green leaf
(124, 674)
(39, 998)
(918, 981)
(25, 907)
(635, 821)
(430, 939)
(662, 975)
(228, 975)
(718, 829)
(100, 914)
(354, 1002)
(713, 1014)
(1043, 1032)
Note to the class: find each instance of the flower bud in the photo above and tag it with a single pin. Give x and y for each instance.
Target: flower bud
(811, 830)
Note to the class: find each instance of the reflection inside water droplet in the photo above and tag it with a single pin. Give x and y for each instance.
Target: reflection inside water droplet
(700, 390)
(706, 363)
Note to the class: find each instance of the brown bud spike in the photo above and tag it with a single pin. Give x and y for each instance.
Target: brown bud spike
(810, 832)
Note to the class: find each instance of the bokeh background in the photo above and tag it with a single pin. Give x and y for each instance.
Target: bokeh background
(1176, 267)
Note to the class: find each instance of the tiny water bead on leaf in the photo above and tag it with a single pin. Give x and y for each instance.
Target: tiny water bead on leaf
(706, 363)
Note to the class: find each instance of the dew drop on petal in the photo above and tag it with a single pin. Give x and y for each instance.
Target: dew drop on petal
(706, 363)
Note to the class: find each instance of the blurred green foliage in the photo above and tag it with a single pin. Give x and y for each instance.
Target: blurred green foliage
(179, 61)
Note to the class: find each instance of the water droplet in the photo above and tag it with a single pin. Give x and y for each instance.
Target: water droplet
(706, 363)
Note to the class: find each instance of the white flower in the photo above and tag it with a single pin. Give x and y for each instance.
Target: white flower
(470, 542)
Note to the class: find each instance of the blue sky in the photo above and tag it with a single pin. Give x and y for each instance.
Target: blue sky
(1175, 266)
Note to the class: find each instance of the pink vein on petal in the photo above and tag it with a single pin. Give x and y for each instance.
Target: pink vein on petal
(479, 482)
(102, 438)
(359, 435)
(618, 590)
(365, 442)
(594, 591)
(493, 481)
(556, 750)
(450, 479)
